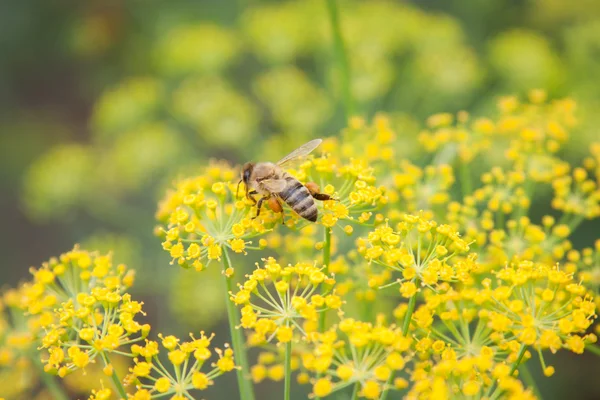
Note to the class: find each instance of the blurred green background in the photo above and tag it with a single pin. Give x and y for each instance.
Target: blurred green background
(104, 103)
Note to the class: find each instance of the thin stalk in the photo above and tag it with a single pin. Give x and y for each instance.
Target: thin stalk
(411, 308)
(405, 326)
(519, 359)
(341, 57)
(288, 370)
(326, 261)
(466, 183)
(593, 348)
(237, 341)
(528, 378)
(116, 381)
(50, 381)
(355, 391)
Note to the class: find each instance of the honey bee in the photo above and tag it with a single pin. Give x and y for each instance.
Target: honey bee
(275, 185)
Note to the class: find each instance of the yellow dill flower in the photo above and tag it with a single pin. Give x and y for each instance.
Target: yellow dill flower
(57, 280)
(278, 300)
(17, 342)
(271, 359)
(90, 326)
(207, 213)
(420, 250)
(356, 352)
(541, 306)
(374, 142)
(456, 137)
(520, 239)
(350, 183)
(577, 195)
(503, 192)
(423, 188)
(587, 265)
(449, 378)
(152, 378)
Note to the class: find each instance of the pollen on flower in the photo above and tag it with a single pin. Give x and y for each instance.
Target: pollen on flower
(288, 293)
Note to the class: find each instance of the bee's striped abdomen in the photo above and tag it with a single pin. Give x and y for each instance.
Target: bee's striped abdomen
(297, 196)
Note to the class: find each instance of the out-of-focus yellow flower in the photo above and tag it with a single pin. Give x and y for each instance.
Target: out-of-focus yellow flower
(296, 104)
(204, 48)
(221, 115)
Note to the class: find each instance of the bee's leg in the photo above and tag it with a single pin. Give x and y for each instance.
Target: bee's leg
(280, 201)
(259, 205)
(322, 196)
(249, 196)
(313, 189)
(237, 189)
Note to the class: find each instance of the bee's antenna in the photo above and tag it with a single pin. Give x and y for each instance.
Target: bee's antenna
(237, 190)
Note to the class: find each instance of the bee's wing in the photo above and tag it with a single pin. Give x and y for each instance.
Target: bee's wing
(301, 151)
(274, 185)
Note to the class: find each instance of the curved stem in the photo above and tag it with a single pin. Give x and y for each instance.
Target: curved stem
(116, 381)
(237, 340)
(355, 391)
(341, 57)
(528, 378)
(288, 370)
(466, 183)
(412, 302)
(326, 261)
(519, 359)
(408, 317)
(593, 348)
(50, 381)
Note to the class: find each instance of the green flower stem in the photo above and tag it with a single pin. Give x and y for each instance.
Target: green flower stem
(327, 250)
(237, 341)
(411, 309)
(50, 381)
(405, 326)
(355, 391)
(326, 261)
(466, 183)
(116, 381)
(341, 58)
(288, 370)
(593, 348)
(528, 378)
(519, 359)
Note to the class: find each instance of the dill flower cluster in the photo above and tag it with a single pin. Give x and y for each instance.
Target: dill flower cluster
(153, 380)
(420, 250)
(93, 325)
(206, 214)
(360, 354)
(352, 185)
(477, 235)
(76, 311)
(278, 301)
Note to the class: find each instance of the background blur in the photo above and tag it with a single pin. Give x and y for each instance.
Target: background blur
(103, 103)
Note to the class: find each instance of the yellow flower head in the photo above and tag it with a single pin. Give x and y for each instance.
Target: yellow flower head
(276, 300)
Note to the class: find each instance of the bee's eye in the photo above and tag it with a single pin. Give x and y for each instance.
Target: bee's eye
(246, 175)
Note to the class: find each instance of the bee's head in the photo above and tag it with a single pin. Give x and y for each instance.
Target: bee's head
(247, 172)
